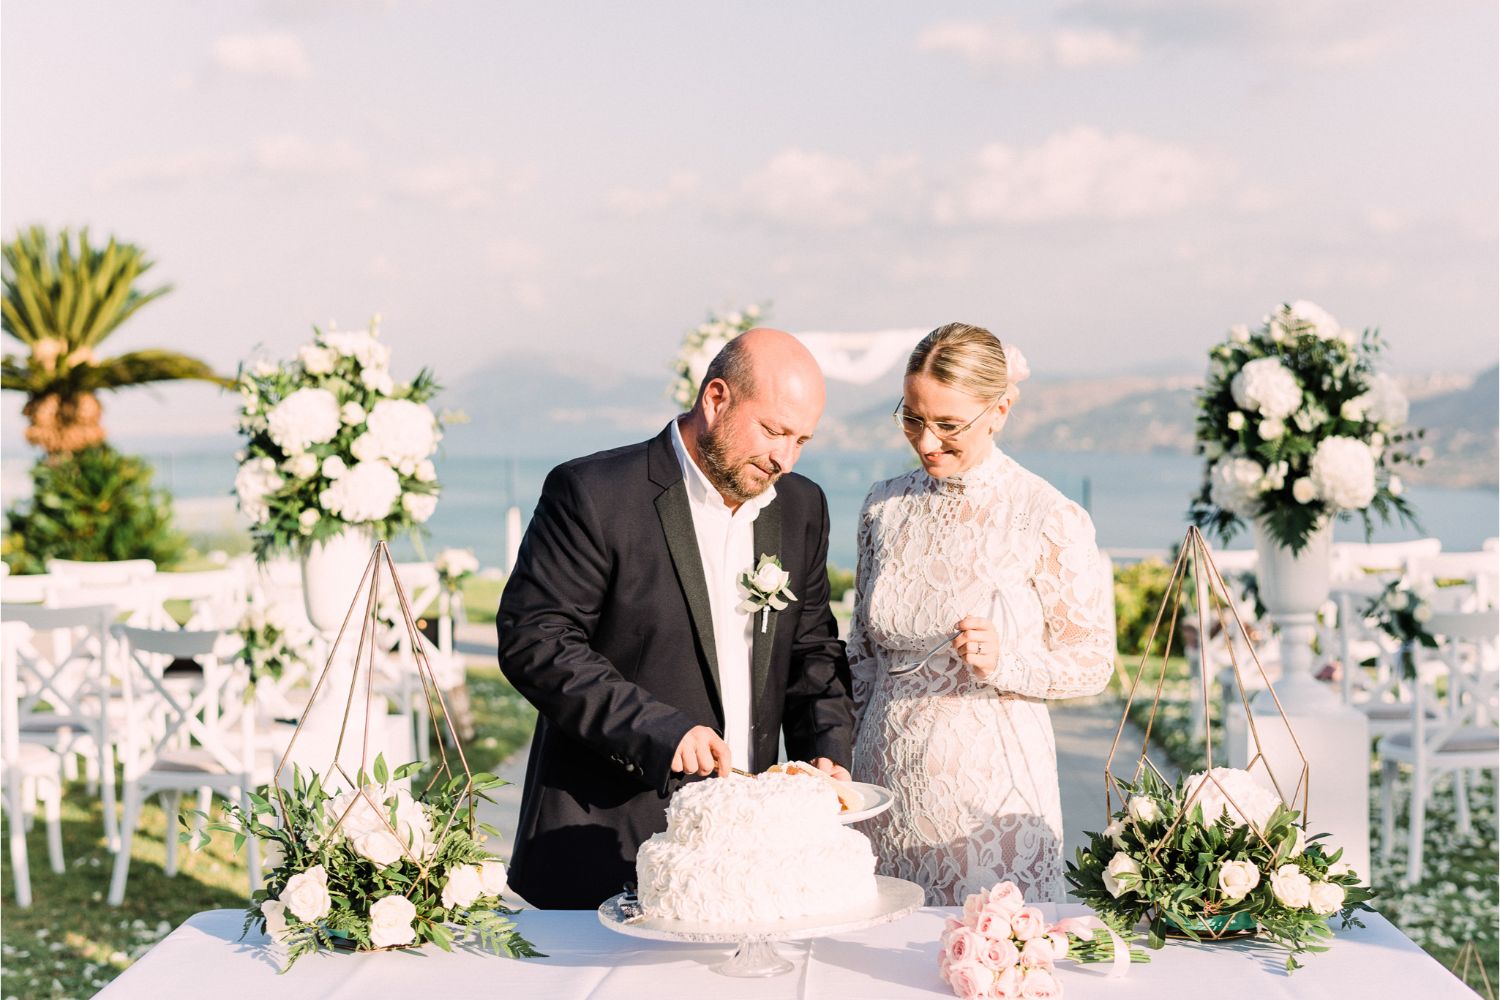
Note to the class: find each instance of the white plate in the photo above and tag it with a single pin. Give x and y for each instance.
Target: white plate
(877, 801)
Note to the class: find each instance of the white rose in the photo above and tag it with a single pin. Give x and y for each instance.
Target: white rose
(306, 894)
(1303, 490)
(352, 413)
(254, 480)
(263, 369)
(492, 878)
(1343, 472)
(1270, 430)
(333, 467)
(366, 492)
(1354, 409)
(1143, 809)
(361, 346)
(1235, 483)
(1291, 888)
(1239, 333)
(1422, 613)
(1395, 486)
(1387, 404)
(302, 466)
(419, 505)
(1236, 421)
(309, 517)
(1121, 864)
(401, 431)
(1114, 830)
(1324, 326)
(379, 846)
(1237, 878)
(305, 418)
(274, 910)
(378, 380)
(464, 885)
(390, 922)
(1213, 450)
(365, 448)
(318, 360)
(771, 578)
(1326, 898)
(1266, 386)
(426, 471)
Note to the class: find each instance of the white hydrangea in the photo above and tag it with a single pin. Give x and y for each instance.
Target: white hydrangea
(252, 482)
(1228, 791)
(352, 414)
(419, 505)
(401, 431)
(1267, 387)
(367, 492)
(1235, 484)
(1324, 326)
(305, 418)
(1385, 402)
(1343, 473)
(362, 346)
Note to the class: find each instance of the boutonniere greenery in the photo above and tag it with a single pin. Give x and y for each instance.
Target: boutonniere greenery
(765, 588)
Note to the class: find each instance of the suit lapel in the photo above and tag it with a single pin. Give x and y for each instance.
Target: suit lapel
(682, 542)
(767, 543)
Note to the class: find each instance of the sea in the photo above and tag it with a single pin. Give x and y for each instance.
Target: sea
(1138, 502)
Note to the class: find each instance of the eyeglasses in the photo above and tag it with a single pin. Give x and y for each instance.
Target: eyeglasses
(945, 430)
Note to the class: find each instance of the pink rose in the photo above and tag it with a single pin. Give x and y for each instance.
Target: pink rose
(1060, 945)
(1038, 953)
(993, 924)
(1039, 984)
(1027, 923)
(973, 907)
(963, 946)
(998, 955)
(1008, 984)
(969, 980)
(1006, 897)
(952, 923)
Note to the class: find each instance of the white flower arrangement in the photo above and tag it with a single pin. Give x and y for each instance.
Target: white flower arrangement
(1402, 610)
(454, 566)
(1296, 427)
(332, 439)
(701, 345)
(272, 639)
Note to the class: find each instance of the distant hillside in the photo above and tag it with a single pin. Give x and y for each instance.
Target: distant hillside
(1463, 431)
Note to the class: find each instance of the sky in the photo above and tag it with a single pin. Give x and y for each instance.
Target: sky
(1108, 183)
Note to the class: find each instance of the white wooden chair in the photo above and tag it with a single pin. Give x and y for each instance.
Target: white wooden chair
(1479, 573)
(1351, 560)
(179, 742)
(66, 677)
(1463, 737)
(32, 588)
(30, 771)
(120, 572)
(216, 598)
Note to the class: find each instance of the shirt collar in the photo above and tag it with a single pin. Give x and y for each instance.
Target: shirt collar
(702, 492)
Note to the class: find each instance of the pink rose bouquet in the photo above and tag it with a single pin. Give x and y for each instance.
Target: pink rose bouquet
(1003, 948)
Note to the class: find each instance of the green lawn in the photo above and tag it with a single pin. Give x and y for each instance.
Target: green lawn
(70, 943)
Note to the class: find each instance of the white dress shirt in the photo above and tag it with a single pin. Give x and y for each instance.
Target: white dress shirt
(726, 544)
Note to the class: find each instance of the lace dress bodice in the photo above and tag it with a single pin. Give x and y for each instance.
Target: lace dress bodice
(972, 760)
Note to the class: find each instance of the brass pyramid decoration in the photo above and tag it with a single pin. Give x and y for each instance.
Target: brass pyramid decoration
(1196, 588)
(380, 569)
(1467, 959)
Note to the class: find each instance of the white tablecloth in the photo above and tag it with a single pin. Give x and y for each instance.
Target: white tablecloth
(204, 960)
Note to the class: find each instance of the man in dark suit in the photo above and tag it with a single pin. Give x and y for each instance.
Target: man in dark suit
(624, 624)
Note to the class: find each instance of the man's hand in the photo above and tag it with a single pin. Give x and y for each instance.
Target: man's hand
(701, 752)
(828, 767)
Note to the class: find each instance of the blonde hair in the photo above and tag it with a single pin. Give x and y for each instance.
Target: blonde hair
(968, 358)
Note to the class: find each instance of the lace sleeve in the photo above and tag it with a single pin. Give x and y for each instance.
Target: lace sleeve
(864, 655)
(1075, 611)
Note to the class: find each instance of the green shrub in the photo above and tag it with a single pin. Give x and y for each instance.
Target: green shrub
(95, 505)
(839, 581)
(1140, 589)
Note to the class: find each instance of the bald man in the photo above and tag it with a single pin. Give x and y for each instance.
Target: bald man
(622, 623)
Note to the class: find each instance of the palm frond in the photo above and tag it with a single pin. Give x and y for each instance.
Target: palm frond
(140, 367)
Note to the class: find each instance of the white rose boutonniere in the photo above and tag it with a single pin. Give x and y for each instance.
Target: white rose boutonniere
(765, 588)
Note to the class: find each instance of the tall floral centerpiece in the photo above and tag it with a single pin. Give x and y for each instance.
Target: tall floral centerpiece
(337, 455)
(1297, 428)
(701, 345)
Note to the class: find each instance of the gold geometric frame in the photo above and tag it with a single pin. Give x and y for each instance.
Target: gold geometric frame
(1210, 600)
(381, 565)
(1468, 956)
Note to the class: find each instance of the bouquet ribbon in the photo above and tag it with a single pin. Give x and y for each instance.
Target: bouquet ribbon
(1085, 927)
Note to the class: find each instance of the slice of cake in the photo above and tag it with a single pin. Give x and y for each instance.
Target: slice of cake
(849, 797)
(741, 850)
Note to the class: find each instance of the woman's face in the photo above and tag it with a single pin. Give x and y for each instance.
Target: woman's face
(950, 430)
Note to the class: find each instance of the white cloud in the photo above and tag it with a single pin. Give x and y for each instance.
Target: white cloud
(269, 55)
(1003, 45)
(294, 156)
(1080, 173)
(165, 169)
(636, 202)
(802, 188)
(463, 182)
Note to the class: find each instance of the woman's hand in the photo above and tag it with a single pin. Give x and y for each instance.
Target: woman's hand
(978, 644)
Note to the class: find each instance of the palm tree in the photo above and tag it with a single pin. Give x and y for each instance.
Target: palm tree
(62, 305)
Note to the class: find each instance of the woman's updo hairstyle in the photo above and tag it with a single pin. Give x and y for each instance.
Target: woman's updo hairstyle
(966, 357)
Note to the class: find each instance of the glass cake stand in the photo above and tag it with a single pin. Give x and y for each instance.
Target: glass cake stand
(757, 954)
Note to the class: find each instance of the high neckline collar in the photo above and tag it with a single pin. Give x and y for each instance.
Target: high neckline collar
(989, 470)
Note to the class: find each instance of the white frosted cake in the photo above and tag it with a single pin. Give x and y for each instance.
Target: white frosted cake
(751, 850)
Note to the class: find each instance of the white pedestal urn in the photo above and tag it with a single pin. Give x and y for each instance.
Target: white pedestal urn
(331, 572)
(1334, 738)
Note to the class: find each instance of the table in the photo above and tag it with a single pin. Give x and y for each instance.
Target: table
(204, 960)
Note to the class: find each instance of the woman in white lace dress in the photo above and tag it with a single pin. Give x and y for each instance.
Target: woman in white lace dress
(971, 542)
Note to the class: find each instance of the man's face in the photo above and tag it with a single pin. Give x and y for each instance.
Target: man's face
(753, 442)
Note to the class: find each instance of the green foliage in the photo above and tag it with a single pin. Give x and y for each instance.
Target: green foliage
(94, 505)
(839, 582)
(1140, 589)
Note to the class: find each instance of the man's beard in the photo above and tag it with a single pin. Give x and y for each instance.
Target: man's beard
(730, 480)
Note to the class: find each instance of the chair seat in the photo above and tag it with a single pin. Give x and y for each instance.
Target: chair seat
(1469, 739)
(200, 761)
(1390, 711)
